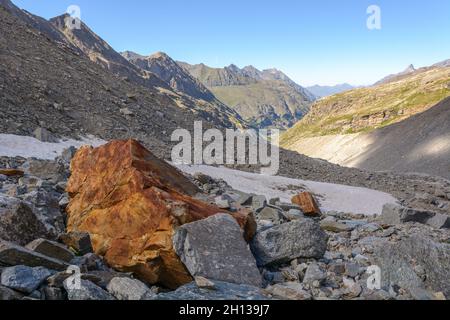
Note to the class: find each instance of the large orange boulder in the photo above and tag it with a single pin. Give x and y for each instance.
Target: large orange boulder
(131, 203)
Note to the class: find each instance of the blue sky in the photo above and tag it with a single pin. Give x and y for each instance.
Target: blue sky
(312, 41)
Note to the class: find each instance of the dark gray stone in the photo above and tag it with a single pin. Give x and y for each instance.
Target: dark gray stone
(12, 255)
(18, 222)
(24, 279)
(286, 242)
(222, 291)
(9, 294)
(80, 241)
(314, 273)
(214, 248)
(51, 249)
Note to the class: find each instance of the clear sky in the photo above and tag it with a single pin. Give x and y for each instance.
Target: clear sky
(312, 41)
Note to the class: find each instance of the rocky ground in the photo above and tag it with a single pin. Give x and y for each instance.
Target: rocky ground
(294, 253)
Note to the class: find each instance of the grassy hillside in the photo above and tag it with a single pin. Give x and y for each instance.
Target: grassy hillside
(366, 109)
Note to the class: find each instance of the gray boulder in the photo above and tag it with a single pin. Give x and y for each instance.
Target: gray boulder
(215, 248)
(24, 279)
(415, 262)
(44, 135)
(51, 249)
(221, 291)
(12, 255)
(129, 289)
(286, 242)
(394, 214)
(7, 294)
(86, 291)
(18, 222)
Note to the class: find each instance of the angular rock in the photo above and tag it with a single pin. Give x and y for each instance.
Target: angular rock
(215, 249)
(46, 208)
(221, 291)
(394, 214)
(314, 273)
(258, 202)
(45, 170)
(307, 203)
(204, 283)
(7, 294)
(129, 289)
(53, 294)
(86, 291)
(77, 240)
(18, 222)
(400, 262)
(131, 203)
(439, 221)
(270, 214)
(51, 249)
(286, 242)
(289, 291)
(44, 135)
(11, 255)
(23, 278)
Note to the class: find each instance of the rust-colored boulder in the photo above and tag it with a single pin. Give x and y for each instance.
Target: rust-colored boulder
(307, 203)
(131, 202)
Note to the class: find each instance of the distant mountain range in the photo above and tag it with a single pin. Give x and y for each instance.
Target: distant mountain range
(324, 91)
(263, 99)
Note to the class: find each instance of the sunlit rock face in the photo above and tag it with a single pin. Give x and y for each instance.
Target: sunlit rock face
(131, 203)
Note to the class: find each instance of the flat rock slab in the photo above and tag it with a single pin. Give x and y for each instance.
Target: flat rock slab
(24, 279)
(214, 248)
(12, 255)
(222, 291)
(280, 244)
(51, 249)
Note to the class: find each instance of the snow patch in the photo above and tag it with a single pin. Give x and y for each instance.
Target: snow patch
(332, 197)
(28, 147)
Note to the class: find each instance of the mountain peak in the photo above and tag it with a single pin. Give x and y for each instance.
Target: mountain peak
(160, 55)
(409, 69)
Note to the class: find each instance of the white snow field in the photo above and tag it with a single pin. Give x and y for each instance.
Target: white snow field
(29, 147)
(332, 197)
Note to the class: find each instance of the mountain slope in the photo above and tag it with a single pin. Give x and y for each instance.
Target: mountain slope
(170, 72)
(420, 143)
(102, 53)
(263, 98)
(365, 109)
(45, 85)
(324, 91)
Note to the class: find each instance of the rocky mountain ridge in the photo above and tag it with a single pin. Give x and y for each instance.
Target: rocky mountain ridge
(263, 98)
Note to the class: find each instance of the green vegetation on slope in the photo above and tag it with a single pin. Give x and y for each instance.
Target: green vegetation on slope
(366, 109)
